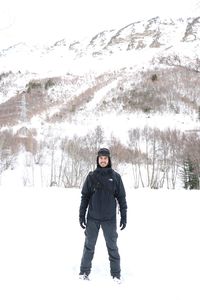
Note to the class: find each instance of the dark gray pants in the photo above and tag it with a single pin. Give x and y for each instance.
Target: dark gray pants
(110, 235)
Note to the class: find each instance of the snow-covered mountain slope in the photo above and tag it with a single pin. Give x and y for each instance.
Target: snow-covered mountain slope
(57, 101)
(139, 74)
(155, 34)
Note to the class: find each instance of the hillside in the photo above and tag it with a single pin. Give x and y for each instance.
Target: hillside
(105, 87)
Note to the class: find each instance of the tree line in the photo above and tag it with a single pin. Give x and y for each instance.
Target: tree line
(152, 157)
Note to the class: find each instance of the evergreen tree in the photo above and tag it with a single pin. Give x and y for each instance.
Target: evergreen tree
(189, 175)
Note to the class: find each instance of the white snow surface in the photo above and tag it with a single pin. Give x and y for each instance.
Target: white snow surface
(42, 243)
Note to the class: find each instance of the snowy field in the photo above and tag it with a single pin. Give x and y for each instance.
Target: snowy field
(41, 246)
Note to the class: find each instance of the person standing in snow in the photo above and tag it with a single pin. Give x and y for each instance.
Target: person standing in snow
(102, 190)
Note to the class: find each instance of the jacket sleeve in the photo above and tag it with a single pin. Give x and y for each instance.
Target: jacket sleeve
(85, 197)
(121, 197)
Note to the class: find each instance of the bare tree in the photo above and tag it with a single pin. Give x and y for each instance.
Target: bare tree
(136, 156)
(74, 164)
(91, 144)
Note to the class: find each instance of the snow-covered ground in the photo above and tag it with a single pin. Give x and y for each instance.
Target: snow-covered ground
(41, 246)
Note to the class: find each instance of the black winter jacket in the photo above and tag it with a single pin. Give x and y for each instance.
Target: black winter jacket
(101, 191)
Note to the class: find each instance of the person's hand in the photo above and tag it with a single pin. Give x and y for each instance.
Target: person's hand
(122, 223)
(82, 222)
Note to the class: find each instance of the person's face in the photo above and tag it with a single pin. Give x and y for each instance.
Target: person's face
(103, 161)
